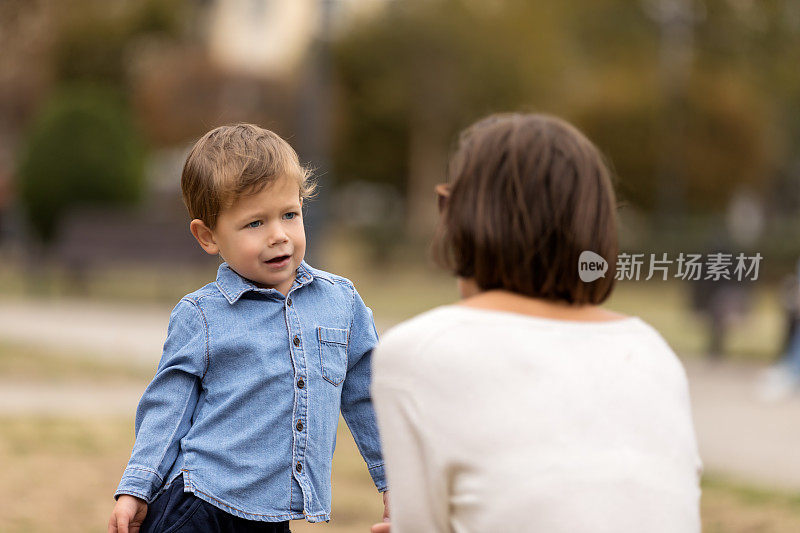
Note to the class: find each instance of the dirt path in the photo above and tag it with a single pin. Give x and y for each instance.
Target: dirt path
(99, 330)
(68, 399)
(738, 435)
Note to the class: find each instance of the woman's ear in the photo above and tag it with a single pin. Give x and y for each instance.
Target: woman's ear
(467, 287)
(204, 236)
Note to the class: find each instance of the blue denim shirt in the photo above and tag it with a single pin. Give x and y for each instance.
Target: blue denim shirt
(245, 402)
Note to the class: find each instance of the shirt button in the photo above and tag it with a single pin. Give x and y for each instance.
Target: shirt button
(301, 383)
(299, 425)
(299, 467)
(289, 302)
(296, 340)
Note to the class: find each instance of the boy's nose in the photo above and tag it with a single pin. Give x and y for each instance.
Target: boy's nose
(277, 236)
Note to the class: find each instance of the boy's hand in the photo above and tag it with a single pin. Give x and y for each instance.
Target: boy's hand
(386, 506)
(384, 527)
(128, 515)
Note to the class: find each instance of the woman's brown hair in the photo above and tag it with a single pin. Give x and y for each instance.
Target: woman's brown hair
(527, 194)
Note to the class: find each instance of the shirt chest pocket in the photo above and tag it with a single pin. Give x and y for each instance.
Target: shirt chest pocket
(333, 353)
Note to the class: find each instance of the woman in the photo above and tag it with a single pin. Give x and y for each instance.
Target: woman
(526, 406)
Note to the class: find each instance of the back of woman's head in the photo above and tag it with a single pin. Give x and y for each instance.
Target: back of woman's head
(528, 194)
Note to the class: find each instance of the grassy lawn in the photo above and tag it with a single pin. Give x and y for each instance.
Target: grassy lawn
(23, 363)
(64, 473)
(735, 508)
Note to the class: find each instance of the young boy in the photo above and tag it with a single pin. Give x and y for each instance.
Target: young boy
(237, 429)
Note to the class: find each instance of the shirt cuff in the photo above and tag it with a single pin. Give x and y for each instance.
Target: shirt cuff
(378, 477)
(139, 481)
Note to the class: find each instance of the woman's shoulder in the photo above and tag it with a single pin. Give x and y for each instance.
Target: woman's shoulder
(425, 325)
(410, 341)
(460, 320)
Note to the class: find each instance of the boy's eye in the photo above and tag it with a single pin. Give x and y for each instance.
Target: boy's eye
(289, 216)
(254, 224)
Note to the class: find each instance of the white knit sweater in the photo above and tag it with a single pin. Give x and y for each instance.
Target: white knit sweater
(495, 421)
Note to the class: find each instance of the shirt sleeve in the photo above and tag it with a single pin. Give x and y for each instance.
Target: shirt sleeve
(357, 407)
(165, 410)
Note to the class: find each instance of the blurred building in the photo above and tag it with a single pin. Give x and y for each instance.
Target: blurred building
(261, 38)
(270, 38)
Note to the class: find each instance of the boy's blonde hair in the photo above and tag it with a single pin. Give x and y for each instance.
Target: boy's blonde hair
(230, 161)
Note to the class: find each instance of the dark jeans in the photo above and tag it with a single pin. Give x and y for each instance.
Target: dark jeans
(175, 511)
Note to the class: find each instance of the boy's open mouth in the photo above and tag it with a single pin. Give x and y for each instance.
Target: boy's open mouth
(278, 259)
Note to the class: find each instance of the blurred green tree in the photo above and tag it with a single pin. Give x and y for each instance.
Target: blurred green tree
(723, 146)
(93, 38)
(82, 149)
(411, 78)
(724, 119)
(706, 125)
(760, 41)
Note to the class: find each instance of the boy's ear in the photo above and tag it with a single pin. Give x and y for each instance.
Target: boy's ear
(204, 236)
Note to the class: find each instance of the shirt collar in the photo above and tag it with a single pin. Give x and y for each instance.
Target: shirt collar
(233, 286)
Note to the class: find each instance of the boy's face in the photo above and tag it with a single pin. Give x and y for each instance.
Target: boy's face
(261, 236)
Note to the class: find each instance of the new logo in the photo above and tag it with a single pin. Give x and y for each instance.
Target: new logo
(591, 266)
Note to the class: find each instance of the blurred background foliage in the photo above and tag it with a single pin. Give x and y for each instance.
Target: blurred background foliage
(722, 126)
(598, 64)
(82, 150)
(94, 37)
(693, 101)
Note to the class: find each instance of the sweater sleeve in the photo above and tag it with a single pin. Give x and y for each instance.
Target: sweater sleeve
(417, 475)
